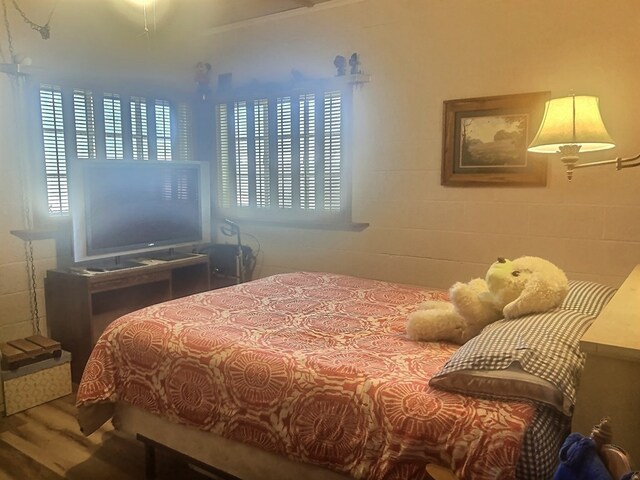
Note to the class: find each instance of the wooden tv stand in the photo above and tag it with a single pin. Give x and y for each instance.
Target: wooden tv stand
(81, 303)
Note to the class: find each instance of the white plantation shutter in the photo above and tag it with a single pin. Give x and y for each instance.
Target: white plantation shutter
(55, 159)
(332, 150)
(307, 151)
(85, 124)
(262, 153)
(284, 143)
(176, 186)
(281, 156)
(185, 132)
(223, 155)
(182, 186)
(241, 163)
(163, 130)
(113, 126)
(139, 130)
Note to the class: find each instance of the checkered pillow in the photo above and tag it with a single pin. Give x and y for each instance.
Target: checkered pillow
(535, 357)
(587, 297)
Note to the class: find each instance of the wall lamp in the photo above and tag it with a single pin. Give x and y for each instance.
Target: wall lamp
(571, 125)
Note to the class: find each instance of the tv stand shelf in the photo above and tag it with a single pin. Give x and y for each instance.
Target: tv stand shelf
(82, 303)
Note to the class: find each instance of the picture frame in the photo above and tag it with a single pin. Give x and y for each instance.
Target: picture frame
(485, 141)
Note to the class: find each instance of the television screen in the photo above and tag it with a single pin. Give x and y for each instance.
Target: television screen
(123, 207)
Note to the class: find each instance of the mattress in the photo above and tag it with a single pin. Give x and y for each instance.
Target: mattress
(314, 368)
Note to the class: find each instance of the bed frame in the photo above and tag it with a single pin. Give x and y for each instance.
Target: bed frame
(233, 459)
(186, 444)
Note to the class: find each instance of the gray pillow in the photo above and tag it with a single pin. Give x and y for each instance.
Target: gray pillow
(587, 297)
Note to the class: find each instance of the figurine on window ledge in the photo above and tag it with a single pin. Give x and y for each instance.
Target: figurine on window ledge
(354, 62)
(203, 80)
(341, 65)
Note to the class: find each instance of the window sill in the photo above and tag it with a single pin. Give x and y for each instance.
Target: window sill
(29, 235)
(348, 226)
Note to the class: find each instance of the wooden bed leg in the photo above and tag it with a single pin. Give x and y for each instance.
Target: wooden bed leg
(149, 461)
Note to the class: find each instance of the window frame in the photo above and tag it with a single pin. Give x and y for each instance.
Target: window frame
(273, 215)
(43, 218)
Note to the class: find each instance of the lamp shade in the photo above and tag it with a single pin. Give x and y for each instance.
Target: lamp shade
(573, 120)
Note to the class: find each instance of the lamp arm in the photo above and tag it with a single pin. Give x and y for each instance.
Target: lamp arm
(619, 161)
(626, 161)
(595, 164)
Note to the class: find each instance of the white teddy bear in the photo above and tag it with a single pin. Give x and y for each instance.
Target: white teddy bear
(510, 289)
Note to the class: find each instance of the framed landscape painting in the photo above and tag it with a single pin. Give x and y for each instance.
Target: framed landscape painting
(485, 141)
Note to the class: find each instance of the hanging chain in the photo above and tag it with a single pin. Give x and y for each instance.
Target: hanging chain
(30, 263)
(145, 17)
(146, 26)
(28, 253)
(42, 29)
(33, 300)
(6, 26)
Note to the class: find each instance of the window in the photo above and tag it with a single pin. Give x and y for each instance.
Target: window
(282, 157)
(101, 126)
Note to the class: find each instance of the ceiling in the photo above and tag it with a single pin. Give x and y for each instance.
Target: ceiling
(227, 12)
(200, 14)
(205, 14)
(131, 37)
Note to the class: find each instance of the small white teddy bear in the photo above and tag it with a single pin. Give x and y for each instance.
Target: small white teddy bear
(510, 289)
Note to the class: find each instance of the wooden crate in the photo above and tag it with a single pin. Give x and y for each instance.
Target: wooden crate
(25, 351)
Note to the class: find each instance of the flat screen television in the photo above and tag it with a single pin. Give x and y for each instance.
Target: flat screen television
(129, 207)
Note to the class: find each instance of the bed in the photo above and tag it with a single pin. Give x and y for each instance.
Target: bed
(311, 375)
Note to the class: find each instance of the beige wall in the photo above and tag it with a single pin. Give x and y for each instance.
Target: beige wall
(419, 53)
(15, 316)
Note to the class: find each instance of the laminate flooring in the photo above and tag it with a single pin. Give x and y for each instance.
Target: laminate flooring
(45, 443)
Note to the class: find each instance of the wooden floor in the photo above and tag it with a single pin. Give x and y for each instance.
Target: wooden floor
(45, 443)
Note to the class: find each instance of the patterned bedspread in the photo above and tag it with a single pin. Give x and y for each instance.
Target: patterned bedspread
(312, 366)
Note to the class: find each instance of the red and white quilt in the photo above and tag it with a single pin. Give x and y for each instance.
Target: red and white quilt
(312, 366)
